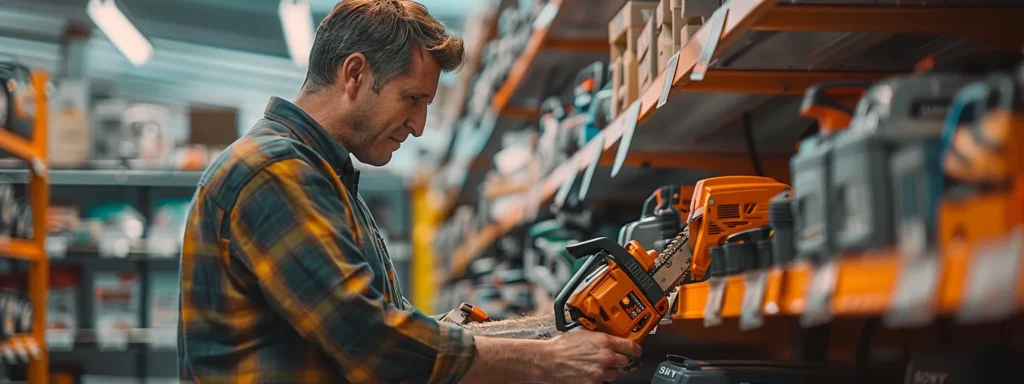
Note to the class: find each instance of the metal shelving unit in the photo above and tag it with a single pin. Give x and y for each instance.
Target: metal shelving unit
(112, 177)
(34, 153)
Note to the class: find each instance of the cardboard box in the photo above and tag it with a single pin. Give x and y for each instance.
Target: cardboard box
(623, 31)
(668, 18)
(647, 55)
(617, 84)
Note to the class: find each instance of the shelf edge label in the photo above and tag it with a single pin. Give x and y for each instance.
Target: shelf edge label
(588, 175)
(708, 52)
(631, 116)
(670, 75)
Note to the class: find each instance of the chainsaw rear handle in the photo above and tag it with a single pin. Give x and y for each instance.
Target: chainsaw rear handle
(561, 324)
(611, 250)
(831, 103)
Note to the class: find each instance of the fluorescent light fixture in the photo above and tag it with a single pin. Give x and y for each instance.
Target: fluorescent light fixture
(120, 31)
(297, 22)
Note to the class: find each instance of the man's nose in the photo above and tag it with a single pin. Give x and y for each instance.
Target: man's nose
(418, 122)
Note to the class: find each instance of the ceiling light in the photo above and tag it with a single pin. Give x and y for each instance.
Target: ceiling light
(297, 22)
(120, 31)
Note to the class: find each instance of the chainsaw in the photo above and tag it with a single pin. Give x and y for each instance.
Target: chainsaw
(621, 290)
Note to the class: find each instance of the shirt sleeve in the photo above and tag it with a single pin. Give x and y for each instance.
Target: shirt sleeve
(290, 227)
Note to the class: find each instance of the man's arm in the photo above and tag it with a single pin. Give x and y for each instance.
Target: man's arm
(287, 227)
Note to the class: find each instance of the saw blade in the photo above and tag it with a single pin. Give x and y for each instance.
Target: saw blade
(672, 266)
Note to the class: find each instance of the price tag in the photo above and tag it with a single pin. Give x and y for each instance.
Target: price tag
(631, 116)
(819, 295)
(546, 15)
(563, 191)
(112, 339)
(752, 310)
(670, 74)
(713, 307)
(913, 301)
(588, 175)
(708, 52)
(60, 339)
(991, 289)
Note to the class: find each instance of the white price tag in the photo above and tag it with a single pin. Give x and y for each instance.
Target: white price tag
(112, 339)
(713, 307)
(588, 175)
(819, 295)
(670, 75)
(60, 339)
(631, 115)
(708, 52)
(991, 291)
(752, 310)
(913, 301)
(563, 191)
(546, 15)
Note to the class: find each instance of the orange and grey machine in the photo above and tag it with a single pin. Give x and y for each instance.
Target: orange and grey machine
(895, 114)
(831, 104)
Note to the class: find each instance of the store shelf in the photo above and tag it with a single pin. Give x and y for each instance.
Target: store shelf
(21, 249)
(865, 285)
(700, 127)
(111, 177)
(575, 37)
(18, 146)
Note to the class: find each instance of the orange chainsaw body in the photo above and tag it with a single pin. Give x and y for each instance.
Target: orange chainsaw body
(609, 301)
(723, 206)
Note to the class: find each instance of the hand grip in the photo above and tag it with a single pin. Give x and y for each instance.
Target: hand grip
(561, 323)
(832, 103)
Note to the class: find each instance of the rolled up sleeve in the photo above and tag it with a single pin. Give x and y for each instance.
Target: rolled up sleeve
(290, 228)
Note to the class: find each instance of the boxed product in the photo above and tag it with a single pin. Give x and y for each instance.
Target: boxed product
(163, 309)
(647, 55)
(667, 19)
(623, 31)
(116, 302)
(61, 309)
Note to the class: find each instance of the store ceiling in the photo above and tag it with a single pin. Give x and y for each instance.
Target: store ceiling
(229, 53)
(245, 25)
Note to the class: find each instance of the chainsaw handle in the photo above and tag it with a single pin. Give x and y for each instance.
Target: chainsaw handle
(634, 268)
(561, 324)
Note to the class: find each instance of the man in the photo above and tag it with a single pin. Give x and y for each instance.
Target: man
(284, 278)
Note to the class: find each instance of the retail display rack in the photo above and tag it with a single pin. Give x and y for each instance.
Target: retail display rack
(728, 102)
(33, 151)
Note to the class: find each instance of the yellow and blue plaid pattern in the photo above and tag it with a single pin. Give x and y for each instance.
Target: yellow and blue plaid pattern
(285, 279)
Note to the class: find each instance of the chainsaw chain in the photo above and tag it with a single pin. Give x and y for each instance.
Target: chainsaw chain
(681, 240)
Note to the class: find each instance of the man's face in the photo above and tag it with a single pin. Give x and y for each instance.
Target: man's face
(381, 122)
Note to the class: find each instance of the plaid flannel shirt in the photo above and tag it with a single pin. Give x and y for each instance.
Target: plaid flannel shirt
(284, 278)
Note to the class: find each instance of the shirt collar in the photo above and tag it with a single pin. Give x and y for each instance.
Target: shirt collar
(310, 132)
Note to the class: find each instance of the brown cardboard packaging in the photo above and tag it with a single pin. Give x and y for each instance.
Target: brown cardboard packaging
(647, 54)
(623, 31)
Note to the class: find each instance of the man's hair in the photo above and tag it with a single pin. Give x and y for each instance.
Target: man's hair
(386, 32)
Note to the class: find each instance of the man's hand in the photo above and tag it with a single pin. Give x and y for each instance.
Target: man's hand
(583, 356)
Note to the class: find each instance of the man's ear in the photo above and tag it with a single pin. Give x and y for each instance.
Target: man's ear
(353, 73)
